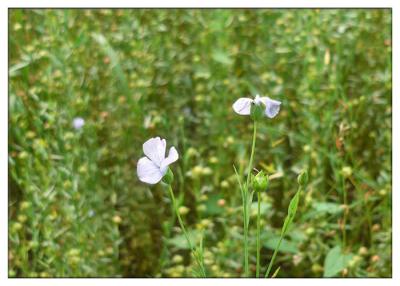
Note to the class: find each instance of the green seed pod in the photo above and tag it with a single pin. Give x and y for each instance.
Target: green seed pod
(168, 177)
(302, 179)
(256, 112)
(260, 182)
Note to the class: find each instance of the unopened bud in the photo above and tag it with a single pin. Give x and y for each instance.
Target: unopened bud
(260, 182)
(316, 268)
(302, 179)
(363, 251)
(183, 210)
(346, 171)
(177, 259)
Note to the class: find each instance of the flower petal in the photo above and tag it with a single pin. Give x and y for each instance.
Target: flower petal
(271, 106)
(242, 106)
(154, 149)
(172, 157)
(148, 172)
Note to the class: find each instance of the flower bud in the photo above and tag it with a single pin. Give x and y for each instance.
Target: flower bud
(302, 179)
(260, 182)
(183, 210)
(363, 251)
(256, 112)
(168, 177)
(316, 268)
(117, 219)
(177, 259)
(347, 171)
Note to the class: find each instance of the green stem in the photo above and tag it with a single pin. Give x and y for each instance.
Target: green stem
(344, 214)
(245, 230)
(258, 235)
(288, 221)
(246, 204)
(273, 257)
(192, 248)
(253, 146)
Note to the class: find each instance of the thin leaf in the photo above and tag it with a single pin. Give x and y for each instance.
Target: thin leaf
(276, 272)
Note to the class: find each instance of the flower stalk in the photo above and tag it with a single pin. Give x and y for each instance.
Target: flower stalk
(195, 254)
(260, 184)
(258, 234)
(258, 108)
(246, 203)
(152, 169)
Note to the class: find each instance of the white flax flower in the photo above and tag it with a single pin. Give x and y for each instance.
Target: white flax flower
(78, 122)
(154, 166)
(242, 106)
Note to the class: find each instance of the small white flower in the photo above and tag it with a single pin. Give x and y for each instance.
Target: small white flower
(242, 106)
(78, 122)
(153, 167)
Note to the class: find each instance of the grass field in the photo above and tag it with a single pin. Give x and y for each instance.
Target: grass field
(76, 206)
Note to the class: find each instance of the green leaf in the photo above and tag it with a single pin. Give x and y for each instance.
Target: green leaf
(276, 272)
(180, 242)
(222, 57)
(212, 207)
(286, 225)
(238, 179)
(115, 63)
(286, 246)
(264, 207)
(297, 235)
(326, 207)
(14, 69)
(293, 204)
(202, 72)
(292, 209)
(335, 261)
(249, 202)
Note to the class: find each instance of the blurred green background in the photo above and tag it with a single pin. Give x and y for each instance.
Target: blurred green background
(76, 207)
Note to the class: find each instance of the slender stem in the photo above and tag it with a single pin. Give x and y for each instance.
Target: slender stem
(344, 221)
(273, 257)
(288, 221)
(192, 248)
(245, 230)
(246, 204)
(344, 213)
(253, 146)
(258, 235)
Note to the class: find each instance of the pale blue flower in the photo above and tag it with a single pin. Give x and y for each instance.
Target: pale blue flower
(242, 106)
(154, 166)
(78, 122)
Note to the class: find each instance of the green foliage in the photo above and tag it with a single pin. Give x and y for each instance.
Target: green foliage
(212, 207)
(327, 207)
(291, 213)
(76, 207)
(286, 245)
(336, 261)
